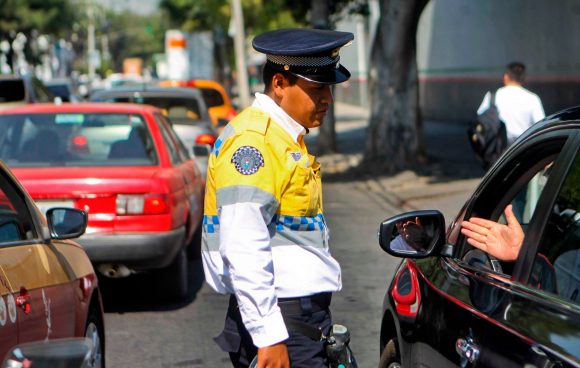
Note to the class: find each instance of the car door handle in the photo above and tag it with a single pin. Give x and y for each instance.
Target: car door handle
(467, 349)
(23, 300)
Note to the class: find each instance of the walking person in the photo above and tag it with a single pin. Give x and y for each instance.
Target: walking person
(265, 238)
(518, 108)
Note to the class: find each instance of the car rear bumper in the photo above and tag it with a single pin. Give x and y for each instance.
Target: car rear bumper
(138, 251)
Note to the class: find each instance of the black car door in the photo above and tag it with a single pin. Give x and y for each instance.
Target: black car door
(479, 311)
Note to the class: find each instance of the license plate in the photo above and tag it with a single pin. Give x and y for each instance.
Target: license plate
(43, 206)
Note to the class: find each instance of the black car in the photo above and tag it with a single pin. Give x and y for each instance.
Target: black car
(450, 304)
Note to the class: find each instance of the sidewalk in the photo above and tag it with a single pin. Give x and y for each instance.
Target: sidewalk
(444, 183)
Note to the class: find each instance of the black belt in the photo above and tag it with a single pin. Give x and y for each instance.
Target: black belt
(299, 305)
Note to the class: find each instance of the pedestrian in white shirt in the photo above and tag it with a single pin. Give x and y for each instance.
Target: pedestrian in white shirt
(518, 108)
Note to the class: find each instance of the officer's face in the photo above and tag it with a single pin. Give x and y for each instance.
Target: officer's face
(306, 102)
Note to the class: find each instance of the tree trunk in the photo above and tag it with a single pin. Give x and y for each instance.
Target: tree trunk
(394, 136)
(326, 143)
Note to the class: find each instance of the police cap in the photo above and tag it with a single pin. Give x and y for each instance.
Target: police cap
(311, 54)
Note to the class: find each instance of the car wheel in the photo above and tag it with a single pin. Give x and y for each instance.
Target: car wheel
(391, 357)
(94, 330)
(194, 248)
(175, 280)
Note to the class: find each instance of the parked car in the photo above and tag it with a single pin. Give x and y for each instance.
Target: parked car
(48, 288)
(215, 96)
(185, 109)
(124, 166)
(450, 304)
(17, 90)
(62, 88)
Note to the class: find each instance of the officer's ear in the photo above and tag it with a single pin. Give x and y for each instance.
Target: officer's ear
(279, 82)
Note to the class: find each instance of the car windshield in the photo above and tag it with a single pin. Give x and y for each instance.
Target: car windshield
(75, 139)
(179, 109)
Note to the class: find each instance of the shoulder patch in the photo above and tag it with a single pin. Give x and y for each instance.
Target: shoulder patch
(247, 160)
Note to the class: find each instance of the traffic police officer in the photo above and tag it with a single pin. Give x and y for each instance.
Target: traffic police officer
(265, 238)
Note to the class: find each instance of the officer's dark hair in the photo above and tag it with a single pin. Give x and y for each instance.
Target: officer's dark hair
(516, 71)
(269, 72)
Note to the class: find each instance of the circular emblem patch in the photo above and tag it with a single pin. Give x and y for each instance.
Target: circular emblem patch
(247, 160)
(11, 308)
(3, 313)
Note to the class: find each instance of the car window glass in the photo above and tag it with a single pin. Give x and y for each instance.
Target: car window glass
(41, 93)
(557, 264)
(520, 182)
(75, 139)
(12, 90)
(15, 220)
(212, 97)
(169, 139)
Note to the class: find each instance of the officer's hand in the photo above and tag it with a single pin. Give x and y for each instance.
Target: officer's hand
(273, 356)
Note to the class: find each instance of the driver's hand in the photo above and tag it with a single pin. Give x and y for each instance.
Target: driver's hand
(501, 241)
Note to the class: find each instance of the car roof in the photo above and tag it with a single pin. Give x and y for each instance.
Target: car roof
(148, 90)
(83, 107)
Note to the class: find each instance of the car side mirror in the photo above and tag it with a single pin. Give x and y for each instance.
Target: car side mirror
(201, 150)
(66, 352)
(415, 234)
(66, 223)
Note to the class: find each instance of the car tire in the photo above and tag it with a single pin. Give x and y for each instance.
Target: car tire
(175, 280)
(95, 331)
(194, 248)
(391, 357)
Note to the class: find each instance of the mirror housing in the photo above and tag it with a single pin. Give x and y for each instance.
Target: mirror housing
(415, 234)
(64, 353)
(66, 223)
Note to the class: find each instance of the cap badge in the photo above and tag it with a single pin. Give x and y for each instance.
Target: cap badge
(286, 67)
(247, 160)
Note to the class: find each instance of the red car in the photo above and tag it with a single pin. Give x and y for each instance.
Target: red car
(124, 166)
(48, 288)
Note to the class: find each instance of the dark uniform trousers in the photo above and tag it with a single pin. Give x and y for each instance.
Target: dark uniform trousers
(304, 352)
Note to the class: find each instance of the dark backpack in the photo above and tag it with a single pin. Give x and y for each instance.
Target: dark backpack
(487, 135)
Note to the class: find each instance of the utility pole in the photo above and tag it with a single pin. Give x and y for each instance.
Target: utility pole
(239, 43)
(91, 42)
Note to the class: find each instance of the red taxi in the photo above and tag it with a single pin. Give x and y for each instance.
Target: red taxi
(124, 166)
(48, 288)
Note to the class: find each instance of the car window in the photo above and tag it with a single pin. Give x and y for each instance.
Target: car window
(41, 93)
(171, 141)
(212, 97)
(75, 139)
(12, 90)
(15, 221)
(519, 182)
(557, 264)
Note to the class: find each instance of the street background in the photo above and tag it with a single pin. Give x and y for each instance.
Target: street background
(143, 331)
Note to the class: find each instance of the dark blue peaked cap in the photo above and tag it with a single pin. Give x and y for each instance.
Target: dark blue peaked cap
(312, 54)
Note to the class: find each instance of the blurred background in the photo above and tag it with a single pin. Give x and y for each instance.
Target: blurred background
(462, 46)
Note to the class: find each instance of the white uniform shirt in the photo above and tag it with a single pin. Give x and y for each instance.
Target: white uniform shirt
(244, 235)
(518, 108)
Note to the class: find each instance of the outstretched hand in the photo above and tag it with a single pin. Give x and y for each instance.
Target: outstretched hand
(499, 240)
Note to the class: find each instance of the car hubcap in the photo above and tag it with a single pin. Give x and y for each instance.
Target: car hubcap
(96, 356)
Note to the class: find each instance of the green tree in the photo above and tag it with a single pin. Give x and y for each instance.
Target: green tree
(45, 16)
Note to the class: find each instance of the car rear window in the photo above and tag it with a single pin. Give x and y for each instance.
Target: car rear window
(212, 97)
(12, 90)
(179, 110)
(75, 139)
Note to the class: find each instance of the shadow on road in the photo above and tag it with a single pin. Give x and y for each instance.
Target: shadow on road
(144, 292)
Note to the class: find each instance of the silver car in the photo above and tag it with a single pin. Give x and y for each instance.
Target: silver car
(185, 109)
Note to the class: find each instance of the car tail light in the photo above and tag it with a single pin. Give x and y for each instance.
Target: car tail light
(405, 291)
(205, 139)
(148, 204)
(231, 114)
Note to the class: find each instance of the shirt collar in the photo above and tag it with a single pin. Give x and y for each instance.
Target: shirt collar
(291, 126)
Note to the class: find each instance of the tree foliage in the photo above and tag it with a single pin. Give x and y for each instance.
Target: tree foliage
(54, 17)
